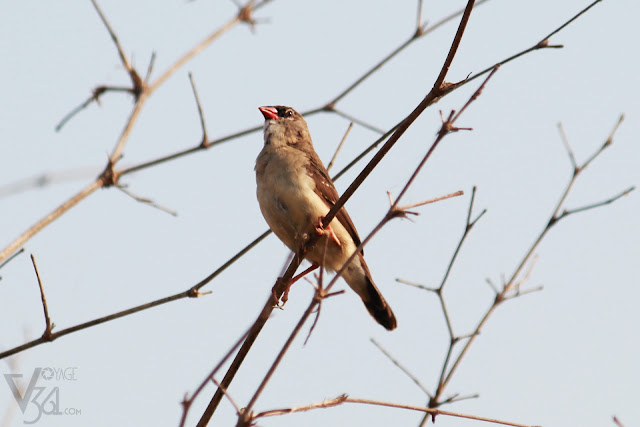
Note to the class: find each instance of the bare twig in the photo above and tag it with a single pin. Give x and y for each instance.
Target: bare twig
(433, 412)
(187, 402)
(205, 138)
(344, 138)
(114, 37)
(345, 399)
(402, 368)
(8, 260)
(566, 213)
(48, 326)
(94, 97)
(192, 292)
(357, 121)
(240, 17)
(565, 140)
(33, 230)
(404, 210)
(324, 404)
(420, 32)
(145, 201)
(152, 62)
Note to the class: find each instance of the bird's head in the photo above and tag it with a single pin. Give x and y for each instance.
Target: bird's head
(284, 126)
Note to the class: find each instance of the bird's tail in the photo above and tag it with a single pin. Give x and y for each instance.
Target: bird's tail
(359, 279)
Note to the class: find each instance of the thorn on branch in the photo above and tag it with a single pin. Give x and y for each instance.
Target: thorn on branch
(195, 293)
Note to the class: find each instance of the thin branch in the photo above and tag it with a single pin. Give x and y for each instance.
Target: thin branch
(422, 31)
(241, 16)
(456, 398)
(33, 230)
(566, 213)
(404, 210)
(416, 285)
(541, 44)
(145, 201)
(606, 144)
(576, 16)
(94, 97)
(344, 138)
(419, 16)
(192, 292)
(114, 37)
(521, 293)
(247, 414)
(565, 141)
(402, 368)
(48, 326)
(187, 402)
(324, 404)
(358, 121)
(205, 138)
(433, 411)
(152, 62)
(345, 399)
(8, 260)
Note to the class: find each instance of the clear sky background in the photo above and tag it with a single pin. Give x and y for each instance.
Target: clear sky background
(567, 355)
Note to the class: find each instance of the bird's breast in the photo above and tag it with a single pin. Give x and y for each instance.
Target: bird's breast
(286, 194)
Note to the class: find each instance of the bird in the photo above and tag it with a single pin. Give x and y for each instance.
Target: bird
(295, 192)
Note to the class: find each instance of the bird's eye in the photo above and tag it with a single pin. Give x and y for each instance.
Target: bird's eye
(288, 113)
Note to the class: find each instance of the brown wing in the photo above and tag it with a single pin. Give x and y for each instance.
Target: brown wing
(327, 192)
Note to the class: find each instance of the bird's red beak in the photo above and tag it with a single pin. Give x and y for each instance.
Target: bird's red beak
(269, 113)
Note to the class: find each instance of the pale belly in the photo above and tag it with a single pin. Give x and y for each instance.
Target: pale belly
(292, 209)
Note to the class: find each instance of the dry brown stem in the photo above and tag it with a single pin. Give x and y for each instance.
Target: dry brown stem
(346, 399)
(48, 326)
(192, 292)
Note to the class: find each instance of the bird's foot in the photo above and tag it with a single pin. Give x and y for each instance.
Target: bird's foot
(285, 294)
(320, 229)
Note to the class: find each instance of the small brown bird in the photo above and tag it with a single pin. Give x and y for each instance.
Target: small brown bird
(295, 193)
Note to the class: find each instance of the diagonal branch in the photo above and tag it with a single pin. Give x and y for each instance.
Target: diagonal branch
(192, 292)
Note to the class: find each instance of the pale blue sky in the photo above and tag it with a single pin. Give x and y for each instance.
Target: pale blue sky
(565, 356)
